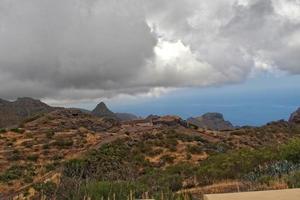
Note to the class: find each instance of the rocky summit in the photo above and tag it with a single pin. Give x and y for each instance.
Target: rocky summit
(212, 121)
(101, 110)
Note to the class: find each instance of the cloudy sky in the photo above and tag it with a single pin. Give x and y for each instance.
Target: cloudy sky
(77, 52)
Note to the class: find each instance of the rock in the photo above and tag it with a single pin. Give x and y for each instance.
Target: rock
(295, 117)
(212, 121)
(169, 121)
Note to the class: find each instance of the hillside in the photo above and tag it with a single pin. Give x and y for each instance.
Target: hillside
(160, 153)
(295, 117)
(14, 113)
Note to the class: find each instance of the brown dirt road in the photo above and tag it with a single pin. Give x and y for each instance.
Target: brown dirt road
(290, 194)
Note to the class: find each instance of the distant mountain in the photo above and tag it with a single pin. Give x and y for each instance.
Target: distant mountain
(126, 116)
(151, 117)
(13, 113)
(212, 121)
(295, 117)
(101, 110)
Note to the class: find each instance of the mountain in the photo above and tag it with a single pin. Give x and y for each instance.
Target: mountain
(212, 121)
(101, 110)
(126, 116)
(295, 117)
(13, 113)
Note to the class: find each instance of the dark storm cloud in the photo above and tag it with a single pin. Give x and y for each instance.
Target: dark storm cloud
(79, 49)
(50, 46)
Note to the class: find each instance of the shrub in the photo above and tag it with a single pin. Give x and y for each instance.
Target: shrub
(293, 180)
(291, 151)
(33, 157)
(17, 130)
(50, 134)
(113, 190)
(194, 149)
(51, 166)
(3, 130)
(233, 164)
(12, 173)
(167, 159)
(64, 143)
(15, 155)
(48, 188)
(28, 179)
(55, 157)
(46, 146)
(75, 168)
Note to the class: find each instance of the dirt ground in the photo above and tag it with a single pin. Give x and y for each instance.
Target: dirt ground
(290, 194)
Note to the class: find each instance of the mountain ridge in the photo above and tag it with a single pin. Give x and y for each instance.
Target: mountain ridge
(212, 121)
(14, 112)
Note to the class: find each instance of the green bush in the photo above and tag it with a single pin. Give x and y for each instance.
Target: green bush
(233, 164)
(17, 130)
(51, 166)
(3, 130)
(113, 190)
(291, 151)
(293, 180)
(48, 188)
(12, 173)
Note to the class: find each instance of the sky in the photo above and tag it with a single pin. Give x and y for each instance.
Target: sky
(157, 55)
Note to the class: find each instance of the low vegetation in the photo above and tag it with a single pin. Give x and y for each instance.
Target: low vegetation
(122, 166)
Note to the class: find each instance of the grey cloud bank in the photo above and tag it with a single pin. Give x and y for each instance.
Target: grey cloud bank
(90, 49)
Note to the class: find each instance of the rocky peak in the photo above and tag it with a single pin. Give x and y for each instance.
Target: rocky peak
(101, 110)
(295, 117)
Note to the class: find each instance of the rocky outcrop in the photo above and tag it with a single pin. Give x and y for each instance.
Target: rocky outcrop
(14, 113)
(169, 120)
(212, 121)
(295, 117)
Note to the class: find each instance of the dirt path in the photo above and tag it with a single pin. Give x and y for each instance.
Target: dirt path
(290, 194)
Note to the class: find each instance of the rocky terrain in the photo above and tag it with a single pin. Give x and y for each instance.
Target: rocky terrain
(295, 117)
(62, 153)
(212, 121)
